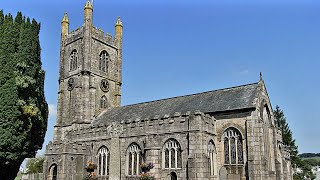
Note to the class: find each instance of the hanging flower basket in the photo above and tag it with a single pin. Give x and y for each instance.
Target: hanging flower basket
(90, 166)
(146, 167)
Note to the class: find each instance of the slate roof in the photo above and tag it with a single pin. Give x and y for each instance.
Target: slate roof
(234, 98)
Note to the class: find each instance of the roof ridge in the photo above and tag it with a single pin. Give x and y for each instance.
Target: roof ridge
(190, 94)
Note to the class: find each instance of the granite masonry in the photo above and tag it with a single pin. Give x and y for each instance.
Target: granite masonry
(221, 134)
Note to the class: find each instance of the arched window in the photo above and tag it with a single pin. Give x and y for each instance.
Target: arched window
(73, 60)
(171, 155)
(104, 161)
(53, 172)
(233, 148)
(212, 157)
(103, 102)
(134, 158)
(104, 61)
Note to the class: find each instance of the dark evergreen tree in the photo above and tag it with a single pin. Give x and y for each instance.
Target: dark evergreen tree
(289, 141)
(23, 109)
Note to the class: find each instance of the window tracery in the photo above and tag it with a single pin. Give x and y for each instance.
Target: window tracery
(104, 61)
(134, 158)
(73, 60)
(104, 161)
(233, 147)
(212, 157)
(171, 155)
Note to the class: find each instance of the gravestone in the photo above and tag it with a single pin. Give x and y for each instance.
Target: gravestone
(223, 173)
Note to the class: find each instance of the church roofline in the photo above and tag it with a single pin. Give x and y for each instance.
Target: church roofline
(194, 94)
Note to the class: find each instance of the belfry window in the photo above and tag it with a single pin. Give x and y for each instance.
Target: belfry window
(103, 102)
(233, 147)
(134, 158)
(73, 60)
(212, 157)
(104, 61)
(104, 161)
(171, 155)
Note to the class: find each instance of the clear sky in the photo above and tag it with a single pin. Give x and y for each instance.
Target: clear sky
(180, 47)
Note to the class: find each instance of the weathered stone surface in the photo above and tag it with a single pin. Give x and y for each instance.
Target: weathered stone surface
(210, 131)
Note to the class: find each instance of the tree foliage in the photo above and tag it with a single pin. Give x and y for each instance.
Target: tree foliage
(35, 165)
(289, 141)
(23, 109)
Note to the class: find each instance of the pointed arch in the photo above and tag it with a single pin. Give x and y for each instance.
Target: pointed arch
(171, 155)
(73, 60)
(53, 172)
(212, 154)
(133, 159)
(103, 102)
(103, 161)
(104, 59)
(233, 146)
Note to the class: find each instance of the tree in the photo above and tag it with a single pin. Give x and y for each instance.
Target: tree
(35, 165)
(289, 141)
(23, 108)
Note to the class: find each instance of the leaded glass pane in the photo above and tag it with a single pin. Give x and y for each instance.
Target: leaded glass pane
(226, 151)
(233, 151)
(179, 159)
(99, 164)
(134, 164)
(240, 151)
(108, 164)
(173, 158)
(104, 164)
(166, 158)
(130, 164)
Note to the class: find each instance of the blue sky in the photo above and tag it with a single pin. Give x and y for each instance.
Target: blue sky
(183, 47)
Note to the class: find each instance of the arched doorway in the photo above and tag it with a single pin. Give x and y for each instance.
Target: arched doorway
(53, 172)
(173, 176)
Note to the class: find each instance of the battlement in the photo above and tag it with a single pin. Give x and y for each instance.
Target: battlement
(74, 35)
(63, 147)
(176, 122)
(98, 34)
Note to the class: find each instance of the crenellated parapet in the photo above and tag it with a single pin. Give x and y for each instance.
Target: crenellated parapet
(65, 147)
(99, 35)
(176, 122)
(74, 35)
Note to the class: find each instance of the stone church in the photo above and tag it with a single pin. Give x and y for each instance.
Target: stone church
(216, 135)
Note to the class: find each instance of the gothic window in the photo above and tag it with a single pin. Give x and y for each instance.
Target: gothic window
(104, 61)
(233, 147)
(73, 60)
(171, 155)
(53, 172)
(104, 161)
(134, 158)
(103, 102)
(212, 157)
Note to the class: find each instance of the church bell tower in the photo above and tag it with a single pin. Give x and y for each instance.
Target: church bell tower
(90, 72)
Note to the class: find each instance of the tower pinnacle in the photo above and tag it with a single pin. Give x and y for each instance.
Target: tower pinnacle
(65, 18)
(118, 22)
(88, 5)
(64, 26)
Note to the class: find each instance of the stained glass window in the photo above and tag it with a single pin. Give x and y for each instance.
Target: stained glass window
(240, 153)
(226, 151)
(233, 148)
